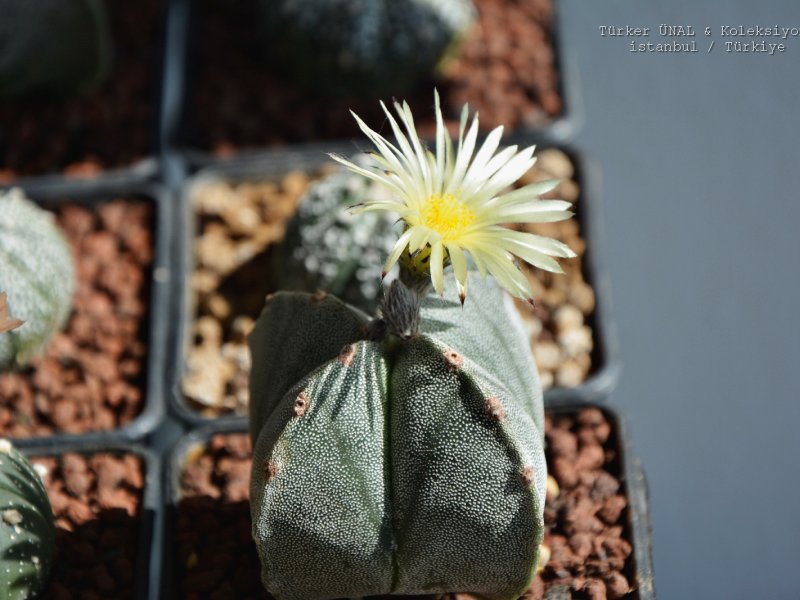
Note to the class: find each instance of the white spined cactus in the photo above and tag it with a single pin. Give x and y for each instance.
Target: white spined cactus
(37, 275)
(328, 248)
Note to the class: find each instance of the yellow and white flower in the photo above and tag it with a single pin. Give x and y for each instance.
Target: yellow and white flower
(455, 202)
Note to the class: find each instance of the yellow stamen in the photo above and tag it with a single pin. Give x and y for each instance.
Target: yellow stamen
(447, 216)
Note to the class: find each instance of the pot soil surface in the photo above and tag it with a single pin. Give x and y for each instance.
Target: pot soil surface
(92, 375)
(112, 126)
(97, 503)
(585, 519)
(506, 69)
(238, 223)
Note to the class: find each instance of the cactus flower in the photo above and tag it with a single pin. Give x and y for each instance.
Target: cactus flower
(455, 202)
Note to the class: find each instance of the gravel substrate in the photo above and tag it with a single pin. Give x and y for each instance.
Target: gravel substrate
(92, 375)
(586, 534)
(506, 69)
(237, 224)
(112, 126)
(96, 502)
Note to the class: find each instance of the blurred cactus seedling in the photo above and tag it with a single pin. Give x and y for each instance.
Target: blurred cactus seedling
(55, 47)
(27, 530)
(328, 248)
(36, 275)
(363, 47)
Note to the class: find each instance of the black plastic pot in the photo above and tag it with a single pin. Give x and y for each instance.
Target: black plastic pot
(148, 559)
(179, 66)
(149, 167)
(53, 193)
(270, 166)
(637, 522)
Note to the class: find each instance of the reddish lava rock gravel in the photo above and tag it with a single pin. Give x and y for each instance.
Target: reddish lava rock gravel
(585, 519)
(96, 502)
(92, 375)
(506, 70)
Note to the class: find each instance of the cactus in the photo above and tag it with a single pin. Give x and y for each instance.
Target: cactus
(27, 531)
(364, 46)
(52, 46)
(328, 248)
(36, 272)
(405, 463)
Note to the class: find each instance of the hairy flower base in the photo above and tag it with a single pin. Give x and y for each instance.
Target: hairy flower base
(454, 202)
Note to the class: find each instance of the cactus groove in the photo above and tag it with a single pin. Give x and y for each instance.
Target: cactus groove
(399, 466)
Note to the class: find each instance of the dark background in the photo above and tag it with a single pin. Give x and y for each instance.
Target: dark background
(701, 168)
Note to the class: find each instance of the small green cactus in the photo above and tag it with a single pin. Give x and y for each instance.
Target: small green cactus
(389, 459)
(329, 248)
(52, 46)
(371, 47)
(27, 531)
(36, 272)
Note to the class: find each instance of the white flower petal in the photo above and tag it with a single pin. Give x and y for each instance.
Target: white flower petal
(477, 169)
(537, 211)
(526, 193)
(459, 263)
(419, 237)
(516, 241)
(397, 251)
(380, 178)
(437, 267)
(463, 158)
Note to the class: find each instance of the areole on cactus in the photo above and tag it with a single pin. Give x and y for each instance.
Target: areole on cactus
(403, 454)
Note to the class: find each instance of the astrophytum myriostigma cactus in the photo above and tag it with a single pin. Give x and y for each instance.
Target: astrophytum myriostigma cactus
(27, 531)
(37, 274)
(369, 47)
(328, 248)
(394, 460)
(52, 46)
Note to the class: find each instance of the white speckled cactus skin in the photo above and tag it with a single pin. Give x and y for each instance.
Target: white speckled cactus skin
(52, 46)
(396, 466)
(328, 248)
(27, 531)
(37, 272)
(373, 47)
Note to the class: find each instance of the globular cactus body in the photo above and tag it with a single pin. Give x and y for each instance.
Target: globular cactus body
(329, 248)
(27, 531)
(364, 46)
(36, 272)
(52, 46)
(396, 466)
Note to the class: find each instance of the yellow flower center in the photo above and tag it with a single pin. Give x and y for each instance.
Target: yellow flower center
(446, 215)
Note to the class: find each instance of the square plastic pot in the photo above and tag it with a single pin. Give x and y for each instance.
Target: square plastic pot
(153, 405)
(147, 563)
(233, 523)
